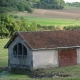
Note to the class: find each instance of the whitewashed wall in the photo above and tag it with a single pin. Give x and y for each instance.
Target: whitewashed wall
(45, 58)
(19, 60)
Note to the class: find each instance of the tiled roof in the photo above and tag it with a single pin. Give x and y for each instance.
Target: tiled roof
(51, 39)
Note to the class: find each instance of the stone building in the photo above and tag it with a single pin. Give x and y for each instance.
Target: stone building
(42, 49)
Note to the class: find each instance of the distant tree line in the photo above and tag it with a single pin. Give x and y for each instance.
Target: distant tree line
(73, 4)
(14, 5)
(73, 27)
(27, 5)
(49, 4)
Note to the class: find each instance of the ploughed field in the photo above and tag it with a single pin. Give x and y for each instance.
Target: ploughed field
(65, 13)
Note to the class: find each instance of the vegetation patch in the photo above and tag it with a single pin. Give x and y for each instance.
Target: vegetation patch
(41, 73)
(3, 54)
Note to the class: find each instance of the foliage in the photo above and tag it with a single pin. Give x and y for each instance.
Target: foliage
(48, 27)
(7, 9)
(69, 27)
(14, 5)
(27, 5)
(76, 27)
(50, 4)
(73, 4)
(8, 26)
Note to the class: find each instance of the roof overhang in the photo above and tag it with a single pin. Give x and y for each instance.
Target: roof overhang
(11, 40)
(71, 47)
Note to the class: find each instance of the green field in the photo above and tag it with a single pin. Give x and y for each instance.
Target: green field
(51, 17)
(62, 73)
(53, 21)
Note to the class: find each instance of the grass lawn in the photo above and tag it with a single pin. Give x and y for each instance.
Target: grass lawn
(62, 73)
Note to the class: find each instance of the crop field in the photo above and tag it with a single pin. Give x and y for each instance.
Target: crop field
(61, 73)
(52, 17)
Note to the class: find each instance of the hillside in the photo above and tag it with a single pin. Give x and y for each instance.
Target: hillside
(66, 13)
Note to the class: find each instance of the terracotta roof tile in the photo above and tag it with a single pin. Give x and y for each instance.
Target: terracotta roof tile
(51, 39)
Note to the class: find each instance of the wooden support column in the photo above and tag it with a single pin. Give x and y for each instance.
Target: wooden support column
(22, 51)
(17, 51)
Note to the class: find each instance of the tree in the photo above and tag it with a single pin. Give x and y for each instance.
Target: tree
(50, 4)
(25, 26)
(2, 2)
(33, 26)
(11, 5)
(7, 26)
(21, 7)
(4, 32)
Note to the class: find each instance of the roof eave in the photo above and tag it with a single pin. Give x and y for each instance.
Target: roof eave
(12, 38)
(10, 41)
(55, 48)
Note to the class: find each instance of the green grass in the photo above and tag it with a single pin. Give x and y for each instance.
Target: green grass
(3, 53)
(8, 75)
(72, 71)
(52, 21)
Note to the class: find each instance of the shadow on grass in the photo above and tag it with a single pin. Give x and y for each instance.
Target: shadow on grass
(39, 73)
(3, 69)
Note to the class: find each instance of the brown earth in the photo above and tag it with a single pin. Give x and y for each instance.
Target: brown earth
(66, 13)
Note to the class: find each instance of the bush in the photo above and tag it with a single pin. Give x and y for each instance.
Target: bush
(16, 16)
(48, 27)
(71, 27)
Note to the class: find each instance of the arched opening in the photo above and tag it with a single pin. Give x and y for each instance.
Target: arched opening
(19, 50)
(15, 50)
